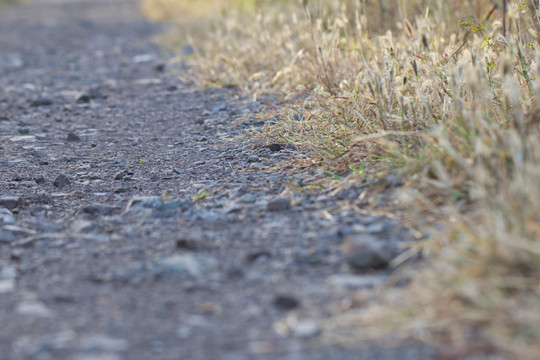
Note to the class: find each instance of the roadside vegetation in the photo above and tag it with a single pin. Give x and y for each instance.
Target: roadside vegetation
(441, 94)
(5, 3)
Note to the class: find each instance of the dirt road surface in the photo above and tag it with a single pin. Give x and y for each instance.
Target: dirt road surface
(137, 223)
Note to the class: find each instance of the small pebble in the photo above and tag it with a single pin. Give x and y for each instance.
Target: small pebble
(40, 180)
(72, 137)
(354, 282)
(258, 255)
(187, 50)
(375, 228)
(195, 266)
(9, 202)
(160, 67)
(191, 241)
(279, 204)
(61, 181)
(276, 147)
(42, 101)
(364, 251)
(83, 98)
(286, 302)
(305, 329)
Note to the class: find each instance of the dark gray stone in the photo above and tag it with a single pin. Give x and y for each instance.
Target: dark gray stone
(285, 302)
(279, 204)
(276, 147)
(364, 251)
(61, 181)
(42, 101)
(195, 240)
(72, 137)
(40, 179)
(10, 202)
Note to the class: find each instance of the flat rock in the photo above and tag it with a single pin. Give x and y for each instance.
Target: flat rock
(143, 58)
(305, 329)
(98, 356)
(103, 342)
(7, 285)
(312, 255)
(157, 203)
(82, 226)
(33, 308)
(42, 101)
(248, 198)
(7, 236)
(8, 274)
(297, 328)
(193, 265)
(148, 81)
(354, 282)
(18, 230)
(210, 217)
(6, 216)
(22, 138)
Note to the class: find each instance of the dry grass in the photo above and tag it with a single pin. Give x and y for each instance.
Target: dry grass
(447, 102)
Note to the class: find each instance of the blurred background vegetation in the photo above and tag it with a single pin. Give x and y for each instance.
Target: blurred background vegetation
(5, 3)
(381, 14)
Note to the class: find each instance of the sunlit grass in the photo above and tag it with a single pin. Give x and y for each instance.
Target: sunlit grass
(6, 3)
(189, 10)
(444, 96)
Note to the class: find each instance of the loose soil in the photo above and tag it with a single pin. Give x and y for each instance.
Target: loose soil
(137, 221)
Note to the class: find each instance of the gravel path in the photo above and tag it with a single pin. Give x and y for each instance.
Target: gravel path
(135, 223)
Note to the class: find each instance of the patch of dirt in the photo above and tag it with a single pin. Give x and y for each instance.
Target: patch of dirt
(135, 220)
